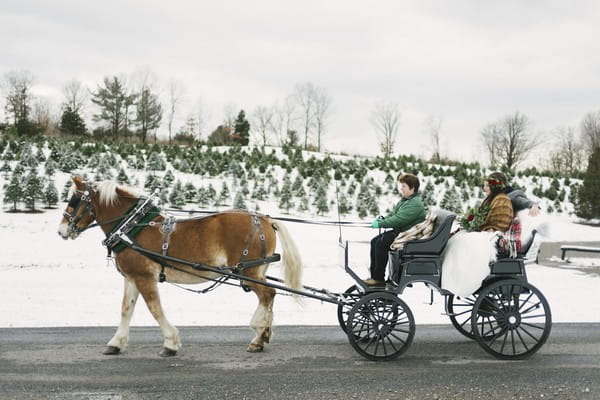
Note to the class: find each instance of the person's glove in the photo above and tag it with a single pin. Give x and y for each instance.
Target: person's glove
(375, 224)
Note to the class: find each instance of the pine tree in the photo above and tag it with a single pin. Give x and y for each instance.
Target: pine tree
(190, 192)
(13, 193)
(241, 131)
(177, 197)
(451, 201)
(51, 194)
(239, 201)
(587, 203)
(168, 178)
(122, 177)
(33, 189)
(71, 122)
(223, 195)
(155, 162)
(321, 202)
(285, 198)
(428, 195)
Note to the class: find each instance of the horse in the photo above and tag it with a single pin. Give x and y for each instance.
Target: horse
(220, 240)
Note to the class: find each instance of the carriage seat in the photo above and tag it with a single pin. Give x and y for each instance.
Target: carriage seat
(434, 244)
(422, 257)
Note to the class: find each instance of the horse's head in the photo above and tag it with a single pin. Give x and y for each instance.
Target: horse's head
(79, 213)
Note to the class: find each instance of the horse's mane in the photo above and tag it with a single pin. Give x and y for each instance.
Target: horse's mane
(107, 190)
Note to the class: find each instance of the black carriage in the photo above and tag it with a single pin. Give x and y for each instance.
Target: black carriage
(507, 316)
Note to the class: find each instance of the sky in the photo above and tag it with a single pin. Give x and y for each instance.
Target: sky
(467, 63)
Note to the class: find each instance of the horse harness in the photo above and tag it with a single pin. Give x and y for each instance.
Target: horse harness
(143, 213)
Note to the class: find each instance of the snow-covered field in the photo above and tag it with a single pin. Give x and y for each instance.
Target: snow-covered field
(47, 281)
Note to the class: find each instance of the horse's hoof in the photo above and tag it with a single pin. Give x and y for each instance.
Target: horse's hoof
(254, 348)
(111, 351)
(167, 352)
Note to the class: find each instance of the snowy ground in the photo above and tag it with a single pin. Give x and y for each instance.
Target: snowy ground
(50, 282)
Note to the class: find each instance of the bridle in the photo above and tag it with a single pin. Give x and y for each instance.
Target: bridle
(80, 199)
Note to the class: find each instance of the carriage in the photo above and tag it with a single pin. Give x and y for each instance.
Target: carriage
(507, 316)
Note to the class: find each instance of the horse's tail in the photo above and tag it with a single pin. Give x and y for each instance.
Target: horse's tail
(292, 264)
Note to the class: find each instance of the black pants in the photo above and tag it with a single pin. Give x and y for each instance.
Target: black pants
(380, 245)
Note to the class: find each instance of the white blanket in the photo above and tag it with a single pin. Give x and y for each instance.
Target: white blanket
(466, 261)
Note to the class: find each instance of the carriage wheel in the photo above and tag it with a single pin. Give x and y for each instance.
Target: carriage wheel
(460, 309)
(351, 296)
(380, 326)
(512, 319)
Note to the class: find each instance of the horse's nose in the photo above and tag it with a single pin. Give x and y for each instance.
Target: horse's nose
(63, 231)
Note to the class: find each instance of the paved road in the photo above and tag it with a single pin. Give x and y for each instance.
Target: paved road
(302, 362)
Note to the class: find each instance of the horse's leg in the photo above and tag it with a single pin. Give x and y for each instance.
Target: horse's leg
(149, 290)
(121, 337)
(262, 319)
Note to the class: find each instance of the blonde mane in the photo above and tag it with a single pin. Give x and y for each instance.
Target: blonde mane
(107, 190)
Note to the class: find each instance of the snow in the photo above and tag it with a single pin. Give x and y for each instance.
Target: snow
(47, 281)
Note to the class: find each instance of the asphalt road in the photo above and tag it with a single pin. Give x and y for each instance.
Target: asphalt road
(301, 362)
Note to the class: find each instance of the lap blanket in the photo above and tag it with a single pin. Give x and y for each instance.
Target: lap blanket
(466, 261)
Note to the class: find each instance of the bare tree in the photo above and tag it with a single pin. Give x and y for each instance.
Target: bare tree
(262, 123)
(590, 130)
(17, 87)
(76, 96)
(175, 92)
(322, 107)
(568, 154)
(490, 135)
(42, 114)
(305, 95)
(286, 116)
(230, 113)
(433, 126)
(385, 118)
(509, 141)
(201, 118)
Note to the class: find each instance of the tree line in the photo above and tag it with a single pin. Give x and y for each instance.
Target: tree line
(136, 108)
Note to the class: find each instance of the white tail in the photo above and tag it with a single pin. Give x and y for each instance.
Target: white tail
(292, 264)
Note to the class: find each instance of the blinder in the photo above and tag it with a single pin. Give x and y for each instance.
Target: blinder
(79, 199)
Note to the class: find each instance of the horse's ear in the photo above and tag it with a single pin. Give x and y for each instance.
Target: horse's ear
(78, 181)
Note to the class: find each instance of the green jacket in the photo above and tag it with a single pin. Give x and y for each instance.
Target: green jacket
(406, 214)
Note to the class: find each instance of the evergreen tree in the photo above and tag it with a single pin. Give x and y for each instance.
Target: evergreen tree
(241, 131)
(50, 167)
(321, 202)
(239, 201)
(211, 194)
(202, 197)
(223, 195)
(13, 193)
(344, 205)
(588, 195)
(122, 177)
(33, 190)
(114, 103)
(6, 168)
(259, 192)
(177, 197)
(155, 162)
(149, 113)
(168, 178)
(190, 192)
(285, 198)
(451, 201)
(428, 195)
(51, 194)
(71, 122)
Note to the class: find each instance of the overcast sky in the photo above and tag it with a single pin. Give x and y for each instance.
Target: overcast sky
(468, 62)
